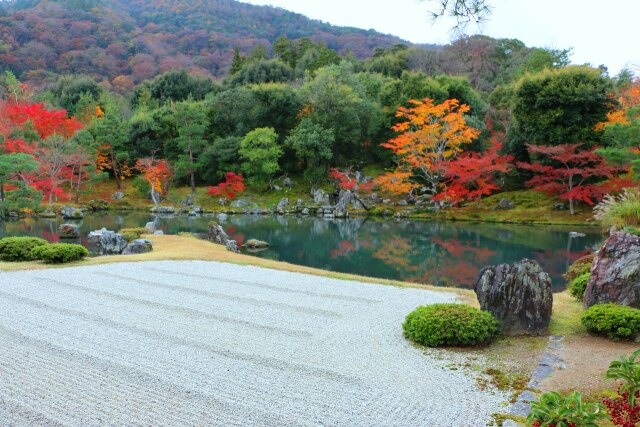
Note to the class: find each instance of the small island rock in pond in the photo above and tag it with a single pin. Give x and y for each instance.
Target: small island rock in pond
(138, 246)
(216, 234)
(69, 231)
(518, 295)
(256, 244)
(105, 242)
(615, 272)
(71, 213)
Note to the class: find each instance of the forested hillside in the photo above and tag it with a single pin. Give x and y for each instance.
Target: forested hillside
(141, 38)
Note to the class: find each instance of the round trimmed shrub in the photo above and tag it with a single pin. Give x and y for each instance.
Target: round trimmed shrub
(617, 322)
(19, 248)
(60, 253)
(450, 325)
(578, 285)
(131, 234)
(579, 267)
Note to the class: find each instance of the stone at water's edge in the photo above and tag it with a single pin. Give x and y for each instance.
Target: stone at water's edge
(518, 295)
(256, 244)
(69, 231)
(216, 234)
(71, 213)
(615, 272)
(105, 242)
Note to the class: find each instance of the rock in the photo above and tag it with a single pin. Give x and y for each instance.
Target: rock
(402, 203)
(197, 209)
(518, 295)
(163, 209)
(504, 205)
(282, 204)
(320, 197)
(118, 195)
(71, 213)
(613, 230)
(305, 211)
(232, 246)
(386, 201)
(188, 201)
(574, 234)
(558, 207)
(216, 234)
(615, 272)
(151, 226)
(69, 231)
(222, 201)
(287, 183)
(277, 188)
(105, 242)
(239, 204)
(47, 213)
(158, 233)
(138, 246)
(255, 244)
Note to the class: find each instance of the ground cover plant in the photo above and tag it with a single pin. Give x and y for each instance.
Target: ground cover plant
(59, 253)
(19, 248)
(614, 321)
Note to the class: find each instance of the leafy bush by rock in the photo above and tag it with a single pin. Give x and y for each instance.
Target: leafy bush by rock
(131, 234)
(578, 285)
(450, 324)
(579, 267)
(59, 253)
(19, 248)
(617, 322)
(554, 409)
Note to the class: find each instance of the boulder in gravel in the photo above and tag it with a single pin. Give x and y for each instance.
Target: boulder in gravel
(615, 272)
(71, 213)
(138, 246)
(69, 231)
(256, 244)
(216, 234)
(105, 242)
(518, 295)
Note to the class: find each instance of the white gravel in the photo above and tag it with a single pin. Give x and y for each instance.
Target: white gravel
(204, 343)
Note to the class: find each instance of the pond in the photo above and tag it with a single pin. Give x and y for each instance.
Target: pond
(441, 253)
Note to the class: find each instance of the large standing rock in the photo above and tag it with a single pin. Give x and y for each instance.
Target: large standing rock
(320, 197)
(105, 242)
(138, 246)
(504, 205)
(216, 234)
(518, 295)
(615, 272)
(69, 231)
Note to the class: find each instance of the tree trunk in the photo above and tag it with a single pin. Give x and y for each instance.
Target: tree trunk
(571, 211)
(193, 174)
(114, 166)
(78, 186)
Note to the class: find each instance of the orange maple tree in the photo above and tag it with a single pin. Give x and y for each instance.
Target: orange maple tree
(157, 173)
(430, 136)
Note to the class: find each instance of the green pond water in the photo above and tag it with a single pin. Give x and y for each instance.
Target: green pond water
(441, 253)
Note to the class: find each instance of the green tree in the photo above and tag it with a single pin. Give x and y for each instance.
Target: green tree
(237, 62)
(263, 71)
(220, 157)
(558, 107)
(260, 153)
(191, 123)
(13, 167)
(312, 144)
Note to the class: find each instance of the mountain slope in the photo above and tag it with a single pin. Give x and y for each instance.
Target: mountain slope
(137, 39)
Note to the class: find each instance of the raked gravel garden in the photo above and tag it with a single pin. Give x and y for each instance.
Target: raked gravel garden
(208, 343)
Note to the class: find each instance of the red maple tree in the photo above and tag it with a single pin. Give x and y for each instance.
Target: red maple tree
(232, 186)
(568, 172)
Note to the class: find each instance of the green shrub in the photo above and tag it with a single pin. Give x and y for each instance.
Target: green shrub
(553, 409)
(578, 285)
(450, 324)
(131, 234)
(579, 267)
(615, 321)
(19, 248)
(59, 253)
